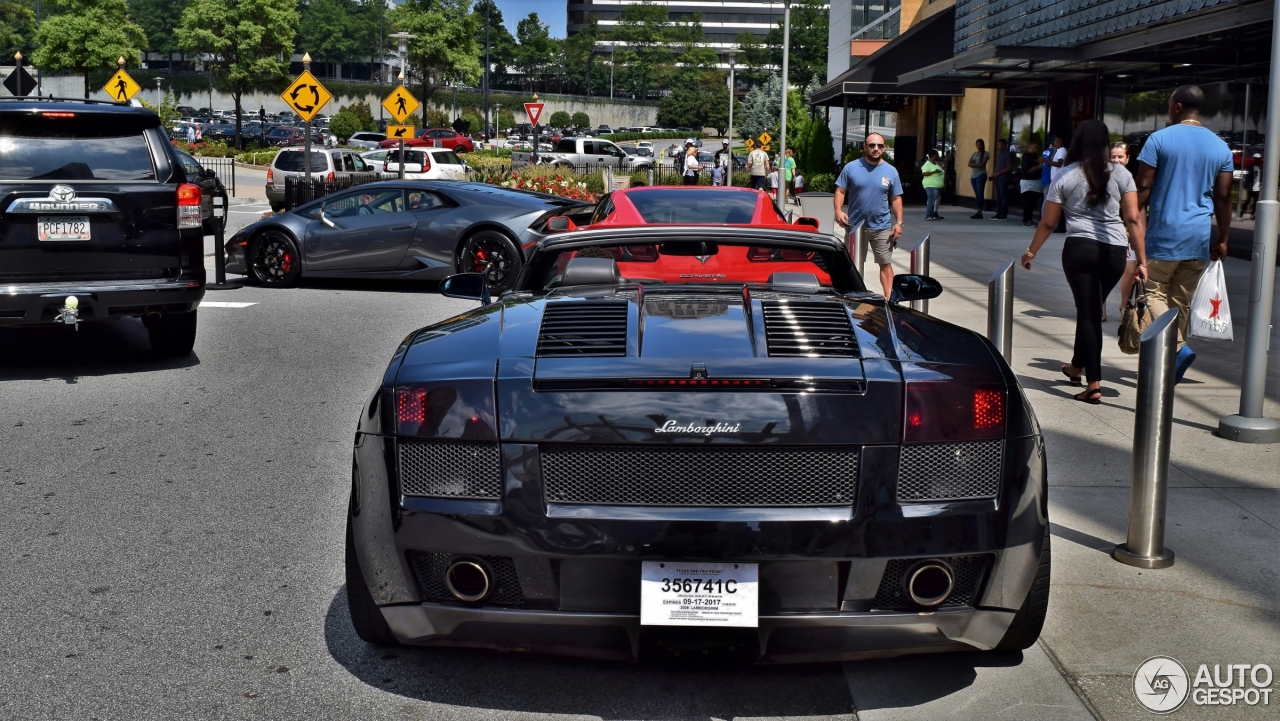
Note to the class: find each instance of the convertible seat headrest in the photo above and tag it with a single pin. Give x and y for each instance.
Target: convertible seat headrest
(591, 271)
(804, 282)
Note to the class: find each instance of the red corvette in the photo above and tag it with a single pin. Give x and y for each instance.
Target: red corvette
(701, 205)
(435, 138)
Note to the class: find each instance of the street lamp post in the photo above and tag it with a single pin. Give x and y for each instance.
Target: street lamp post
(159, 97)
(613, 50)
(306, 150)
(782, 130)
(733, 58)
(487, 133)
(1250, 425)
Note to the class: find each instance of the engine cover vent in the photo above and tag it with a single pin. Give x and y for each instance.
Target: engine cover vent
(808, 329)
(586, 328)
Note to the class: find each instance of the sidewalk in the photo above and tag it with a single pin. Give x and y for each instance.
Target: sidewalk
(1220, 602)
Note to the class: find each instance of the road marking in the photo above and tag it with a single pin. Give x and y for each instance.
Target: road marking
(223, 304)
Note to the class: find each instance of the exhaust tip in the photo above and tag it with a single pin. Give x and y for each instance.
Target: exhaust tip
(929, 583)
(467, 580)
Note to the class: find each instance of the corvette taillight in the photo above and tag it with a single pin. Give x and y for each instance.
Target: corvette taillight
(953, 411)
(189, 206)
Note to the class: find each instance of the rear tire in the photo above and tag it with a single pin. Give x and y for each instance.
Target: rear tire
(274, 259)
(1029, 620)
(460, 149)
(494, 255)
(173, 335)
(370, 626)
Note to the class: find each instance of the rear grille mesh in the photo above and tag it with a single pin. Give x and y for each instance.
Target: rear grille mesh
(700, 476)
(586, 328)
(808, 329)
(430, 568)
(967, 572)
(950, 471)
(450, 469)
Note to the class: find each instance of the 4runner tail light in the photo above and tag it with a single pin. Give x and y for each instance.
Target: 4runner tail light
(954, 411)
(270, 178)
(189, 206)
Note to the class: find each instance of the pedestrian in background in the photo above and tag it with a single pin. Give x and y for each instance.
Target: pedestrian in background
(1057, 159)
(717, 175)
(758, 167)
(1184, 180)
(798, 183)
(978, 177)
(691, 166)
(789, 168)
(1000, 178)
(874, 194)
(1100, 203)
(931, 177)
(1120, 156)
(1253, 187)
(1032, 165)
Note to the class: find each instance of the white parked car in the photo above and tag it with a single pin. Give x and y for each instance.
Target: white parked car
(365, 140)
(426, 164)
(375, 158)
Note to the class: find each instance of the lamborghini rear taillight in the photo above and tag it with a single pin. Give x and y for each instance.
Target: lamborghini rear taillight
(411, 406)
(953, 411)
(189, 206)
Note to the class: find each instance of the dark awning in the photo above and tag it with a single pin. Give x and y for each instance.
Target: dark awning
(1228, 44)
(874, 82)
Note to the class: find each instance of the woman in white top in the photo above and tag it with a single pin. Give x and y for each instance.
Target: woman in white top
(1100, 201)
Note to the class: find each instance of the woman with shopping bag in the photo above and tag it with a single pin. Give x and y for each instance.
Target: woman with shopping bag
(1100, 201)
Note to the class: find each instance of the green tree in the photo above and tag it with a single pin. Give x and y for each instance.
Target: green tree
(88, 34)
(643, 53)
(581, 120)
(332, 31)
(536, 51)
(579, 59)
(715, 86)
(17, 25)
(502, 44)
(167, 110)
(344, 124)
(808, 52)
(761, 109)
(445, 48)
(560, 119)
(158, 19)
(246, 40)
(363, 114)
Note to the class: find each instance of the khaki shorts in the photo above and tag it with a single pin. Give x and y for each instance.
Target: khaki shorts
(881, 243)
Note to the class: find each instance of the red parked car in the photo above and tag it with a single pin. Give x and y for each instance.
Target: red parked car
(702, 205)
(435, 138)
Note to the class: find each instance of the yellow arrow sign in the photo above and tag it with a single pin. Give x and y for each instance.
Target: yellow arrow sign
(401, 103)
(750, 143)
(305, 96)
(398, 132)
(121, 88)
(765, 148)
(765, 138)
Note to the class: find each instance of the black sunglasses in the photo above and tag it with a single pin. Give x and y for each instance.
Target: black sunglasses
(875, 145)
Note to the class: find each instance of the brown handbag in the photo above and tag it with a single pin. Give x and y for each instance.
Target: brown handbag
(1134, 319)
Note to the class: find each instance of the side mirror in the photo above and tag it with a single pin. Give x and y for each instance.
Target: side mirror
(560, 224)
(909, 287)
(325, 220)
(470, 286)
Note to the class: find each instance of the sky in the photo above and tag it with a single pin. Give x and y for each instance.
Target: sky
(551, 12)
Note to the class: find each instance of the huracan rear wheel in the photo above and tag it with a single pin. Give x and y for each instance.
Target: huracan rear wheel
(492, 254)
(274, 259)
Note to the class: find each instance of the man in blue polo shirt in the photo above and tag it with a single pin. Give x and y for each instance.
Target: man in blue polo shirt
(1184, 177)
(874, 193)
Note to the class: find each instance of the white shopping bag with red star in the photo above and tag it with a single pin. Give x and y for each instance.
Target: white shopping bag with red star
(1210, 315)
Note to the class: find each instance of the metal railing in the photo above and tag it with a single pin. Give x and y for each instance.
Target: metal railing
(224, 168)
(298, 192)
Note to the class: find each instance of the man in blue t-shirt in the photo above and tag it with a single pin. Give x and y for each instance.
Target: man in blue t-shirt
(1184, 178)
(874, 194)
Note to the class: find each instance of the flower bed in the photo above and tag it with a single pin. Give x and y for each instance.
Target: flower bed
(547, 180)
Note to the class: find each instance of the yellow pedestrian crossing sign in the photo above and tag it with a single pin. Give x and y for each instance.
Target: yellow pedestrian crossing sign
(399, 132)
(401, 103)
(750, 143)
(305, 96)
(765, 138)
(121, 88)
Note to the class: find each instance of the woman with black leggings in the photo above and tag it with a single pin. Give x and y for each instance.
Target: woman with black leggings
(1099, 199)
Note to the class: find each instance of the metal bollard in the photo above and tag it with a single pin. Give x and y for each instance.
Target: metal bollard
(920, 266)
(1152, 427)
(856, 245)
(219, 249)
(1000, 309)
(651, 176)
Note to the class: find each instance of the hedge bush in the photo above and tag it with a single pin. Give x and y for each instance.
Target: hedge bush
(821, 183)
(258, 157)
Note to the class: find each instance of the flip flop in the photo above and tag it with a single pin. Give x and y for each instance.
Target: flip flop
(1075, 380)
(1092, 397)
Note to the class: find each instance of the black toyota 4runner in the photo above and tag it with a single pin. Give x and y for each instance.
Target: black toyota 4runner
(98, 219)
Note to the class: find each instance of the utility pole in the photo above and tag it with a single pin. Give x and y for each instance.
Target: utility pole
(382, 56)
(782, 130)
(1250, 425)
(159, 97)
(487, 133)
(733, 57)
(613, 50)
